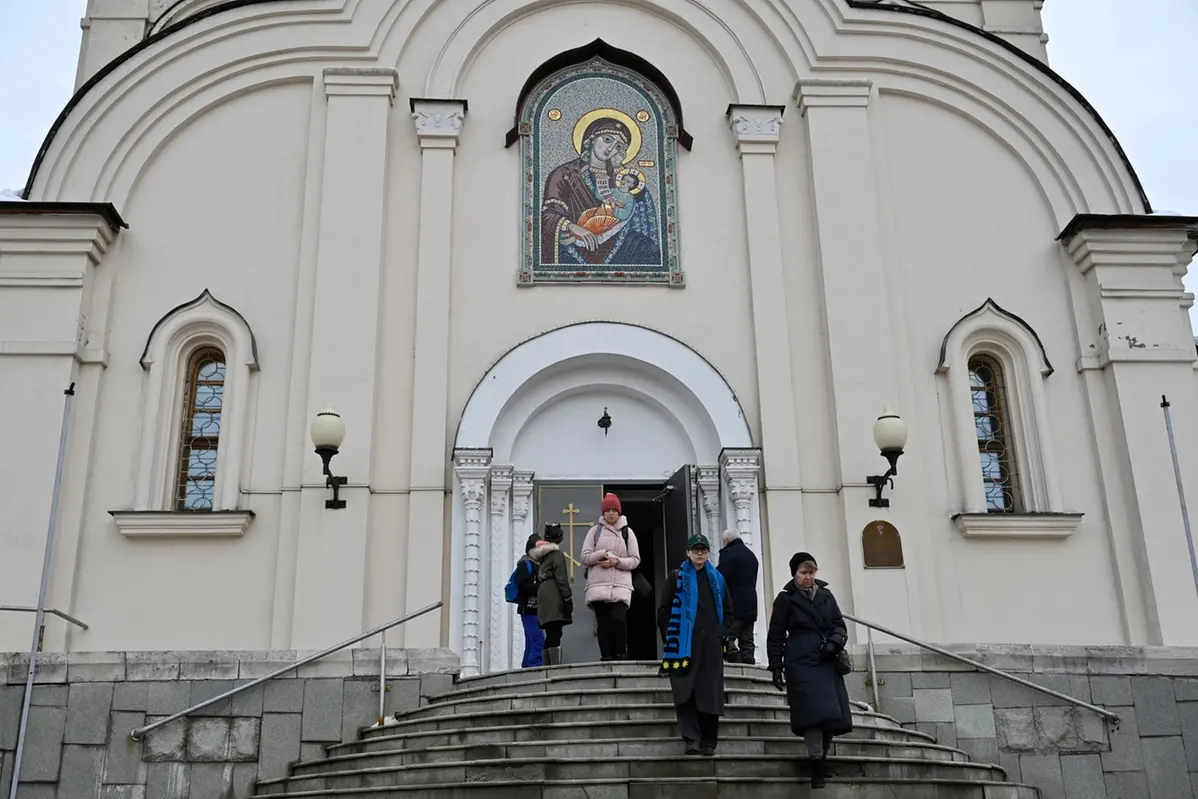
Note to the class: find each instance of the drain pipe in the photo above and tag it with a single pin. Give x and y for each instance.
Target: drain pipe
(1181, 492)
(40, 616)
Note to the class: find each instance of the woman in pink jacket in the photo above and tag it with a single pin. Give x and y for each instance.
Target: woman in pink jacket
(610, 553)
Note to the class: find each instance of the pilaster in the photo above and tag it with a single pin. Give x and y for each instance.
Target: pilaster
(860, 329)
(53, 332)
(708, 480)
(110, 28)
(1139, 347)
(741, 470)
(332, 544)
(438, 125)
(499, 630)
(471, 468)
(521, 529)
(756, 130)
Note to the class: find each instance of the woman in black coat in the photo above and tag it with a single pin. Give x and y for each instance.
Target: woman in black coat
(805, 635)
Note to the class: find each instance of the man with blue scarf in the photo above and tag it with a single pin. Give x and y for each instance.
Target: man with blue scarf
(691, 617)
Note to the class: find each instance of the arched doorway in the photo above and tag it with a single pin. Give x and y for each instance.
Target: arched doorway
(678, 449)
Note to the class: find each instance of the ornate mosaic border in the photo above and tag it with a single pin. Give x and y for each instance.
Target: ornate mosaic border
(532, 270)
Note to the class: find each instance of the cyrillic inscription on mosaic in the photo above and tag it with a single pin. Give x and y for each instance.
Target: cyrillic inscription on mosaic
(599, 186)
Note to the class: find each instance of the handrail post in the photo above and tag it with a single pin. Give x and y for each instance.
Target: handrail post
(382, 677)
(873, 669)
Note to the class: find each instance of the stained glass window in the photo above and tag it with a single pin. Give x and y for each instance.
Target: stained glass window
(203, 400)
(992, 425)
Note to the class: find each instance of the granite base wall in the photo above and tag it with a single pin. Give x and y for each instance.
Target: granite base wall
(1065, 751)
(84, 706)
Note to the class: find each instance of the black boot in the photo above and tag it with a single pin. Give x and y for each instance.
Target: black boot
(819, 770)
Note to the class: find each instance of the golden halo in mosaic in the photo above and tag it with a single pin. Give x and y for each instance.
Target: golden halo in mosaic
(634, 146)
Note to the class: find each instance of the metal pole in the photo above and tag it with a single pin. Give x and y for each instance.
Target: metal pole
(40, 615)
(1181, 494)
(382, 677)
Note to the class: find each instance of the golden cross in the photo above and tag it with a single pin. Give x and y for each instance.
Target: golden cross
(571, 511)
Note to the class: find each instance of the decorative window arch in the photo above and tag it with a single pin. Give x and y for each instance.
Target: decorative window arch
(179, 359)
(599, 129)
(995, 367)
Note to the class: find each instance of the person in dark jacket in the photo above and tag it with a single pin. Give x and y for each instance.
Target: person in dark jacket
(739, 566)
(555, 600)
(805, 634)
(526, 606)
(691, 617)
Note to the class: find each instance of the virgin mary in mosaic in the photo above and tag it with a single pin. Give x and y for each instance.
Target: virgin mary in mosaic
(599, 180)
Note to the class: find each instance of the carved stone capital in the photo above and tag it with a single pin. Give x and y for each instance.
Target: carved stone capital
(740, 463)
(438, 122)
(755, 124)
(521, 494)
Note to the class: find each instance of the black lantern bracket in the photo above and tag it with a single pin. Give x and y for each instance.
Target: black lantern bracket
(604, 422)
(880, 481)
(331, 480)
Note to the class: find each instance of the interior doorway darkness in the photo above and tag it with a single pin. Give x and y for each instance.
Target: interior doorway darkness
(642, 506)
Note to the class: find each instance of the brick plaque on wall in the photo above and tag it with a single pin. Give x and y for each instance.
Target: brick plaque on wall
(882, 546)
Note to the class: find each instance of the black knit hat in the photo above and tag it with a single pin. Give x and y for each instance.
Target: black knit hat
(554, 533)
(531, 542)
(799, 558)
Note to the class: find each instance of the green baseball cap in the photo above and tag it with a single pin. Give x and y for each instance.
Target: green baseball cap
(697, 542)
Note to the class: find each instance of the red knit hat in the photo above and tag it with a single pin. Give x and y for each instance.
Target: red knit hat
(611, 502)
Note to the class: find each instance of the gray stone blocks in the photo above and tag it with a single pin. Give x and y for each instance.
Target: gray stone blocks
(84, 706)
(1066, 751)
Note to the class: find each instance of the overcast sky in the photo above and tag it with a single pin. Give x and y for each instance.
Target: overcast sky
(1132, 59)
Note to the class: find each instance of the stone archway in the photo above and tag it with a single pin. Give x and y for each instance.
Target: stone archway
(533, 417)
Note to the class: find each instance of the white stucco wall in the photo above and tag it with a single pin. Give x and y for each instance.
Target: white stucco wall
(368, 263)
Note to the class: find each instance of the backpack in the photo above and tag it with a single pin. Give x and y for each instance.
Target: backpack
(511, 591)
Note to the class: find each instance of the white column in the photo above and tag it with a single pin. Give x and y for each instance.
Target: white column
(499, 627)
(331, 546)
(521, 528)
(742, 471)
(1139, 346)
(438, 124)
(470, 468)
(756, 129)
(708, 478)
(860, 334)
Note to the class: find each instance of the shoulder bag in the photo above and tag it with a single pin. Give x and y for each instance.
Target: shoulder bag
(842, 659)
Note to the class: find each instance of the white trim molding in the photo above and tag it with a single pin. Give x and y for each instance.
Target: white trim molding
(175, 524)
(471, 469)
(991, 330)
(203, 322)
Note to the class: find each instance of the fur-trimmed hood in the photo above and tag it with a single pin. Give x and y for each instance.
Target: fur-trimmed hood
(542, 549)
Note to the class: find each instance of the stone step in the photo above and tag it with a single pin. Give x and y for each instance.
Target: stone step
(572, 670)
(547, 679)
(590, 770)
(401, 736)
(567, 696)
(703, 788)
(374, 755)
(424, 719)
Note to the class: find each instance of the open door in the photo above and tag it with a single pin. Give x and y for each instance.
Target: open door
(679, 517)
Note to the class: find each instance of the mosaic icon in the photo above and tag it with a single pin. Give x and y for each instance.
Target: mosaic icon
(599, 146)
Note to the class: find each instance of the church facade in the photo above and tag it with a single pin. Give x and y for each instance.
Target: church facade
(684, 251)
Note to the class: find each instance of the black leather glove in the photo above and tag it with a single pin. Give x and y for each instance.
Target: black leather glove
(829, 651)
(568, 608)
(779, 681)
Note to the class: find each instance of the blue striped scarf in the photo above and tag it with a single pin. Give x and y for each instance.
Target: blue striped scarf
(676, 652)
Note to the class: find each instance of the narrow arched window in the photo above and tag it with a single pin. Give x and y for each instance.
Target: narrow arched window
(992, 424)
(203, 401)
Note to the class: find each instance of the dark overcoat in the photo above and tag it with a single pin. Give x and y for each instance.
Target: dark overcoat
(739, 566)
(553, 587)
(705, 678)
(814, 690)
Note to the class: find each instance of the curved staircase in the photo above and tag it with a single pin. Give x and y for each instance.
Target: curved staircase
(607, 731)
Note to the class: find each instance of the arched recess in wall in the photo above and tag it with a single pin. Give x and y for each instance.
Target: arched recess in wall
(599, 129)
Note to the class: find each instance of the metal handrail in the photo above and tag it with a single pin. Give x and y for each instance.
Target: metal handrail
(869, 625)
(51, 611)
(140, 732)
